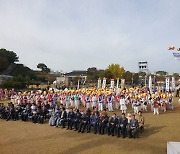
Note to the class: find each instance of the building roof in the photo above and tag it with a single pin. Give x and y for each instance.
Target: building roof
(76, 73)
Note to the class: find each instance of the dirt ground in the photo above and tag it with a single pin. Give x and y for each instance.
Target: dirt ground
(19, 137)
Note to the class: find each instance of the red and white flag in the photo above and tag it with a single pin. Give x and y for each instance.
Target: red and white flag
(171, 47)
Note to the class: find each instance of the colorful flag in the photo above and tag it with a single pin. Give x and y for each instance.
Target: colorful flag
(171, 47)
(178, 49)
(176, 55)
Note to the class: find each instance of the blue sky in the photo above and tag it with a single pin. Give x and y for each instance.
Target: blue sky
(77, 34)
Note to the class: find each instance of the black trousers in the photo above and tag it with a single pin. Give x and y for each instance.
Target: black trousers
(70, 123)
(82, 127)
(102, 128)
(121, 130)
(63, 123)
(41, 119)
(35, 118)
(76, 124)
(111, 129)
(133, 132)
(24, 116)
(95, 126)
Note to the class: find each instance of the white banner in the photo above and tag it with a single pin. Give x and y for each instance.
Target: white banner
(167, 84)
(112, 83)
(104, 83)
(78, 84)
(150, 84)
(173, 84)
(122, 83)
(99, 83)
(117, 85)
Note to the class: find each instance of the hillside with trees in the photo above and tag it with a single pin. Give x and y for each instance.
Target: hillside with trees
(22, 75)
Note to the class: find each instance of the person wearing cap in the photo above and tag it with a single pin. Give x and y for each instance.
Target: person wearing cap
(100, 103)
(88, 101)
(122, 103)
(94, 101)
(67, 98)
(76, 101)
(156, 107)
(170, 101)
(110, 103)
(72, 100)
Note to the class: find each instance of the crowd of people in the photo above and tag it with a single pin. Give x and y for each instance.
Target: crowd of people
(84, 109)
(139, 98)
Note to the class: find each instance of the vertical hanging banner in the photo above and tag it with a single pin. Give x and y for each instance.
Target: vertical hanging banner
(104, 83)
(173, 84)
(112, 83)
(117, 85)
(99, 83)
(122, 83)
(167, 84)
(78, 84)
(150, 84)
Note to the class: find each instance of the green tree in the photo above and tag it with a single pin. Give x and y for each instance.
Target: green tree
(143, 74)
(128, 76)
(93, 74)
(161, 73)
(43, 68)
(136, 78)
(3, 64)
(7, 58)
(176, 76)
(114, 71)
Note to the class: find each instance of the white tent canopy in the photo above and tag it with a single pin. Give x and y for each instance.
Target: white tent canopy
(173, 147)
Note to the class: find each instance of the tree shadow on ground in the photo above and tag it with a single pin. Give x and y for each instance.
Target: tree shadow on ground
(151, 130)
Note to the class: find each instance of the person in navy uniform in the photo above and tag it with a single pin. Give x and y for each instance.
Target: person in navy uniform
(2, 111)
(113, 121)
(77, 119)
(121, 127)
(103, 123)
(25, 113)
(94, 122)
(11, 113)
(84, 122)
(38, 116)
(133, 127)
(45, 112)
(70, 119)
(41, 115)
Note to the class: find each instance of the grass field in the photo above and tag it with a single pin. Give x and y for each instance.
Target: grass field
(25, 137)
